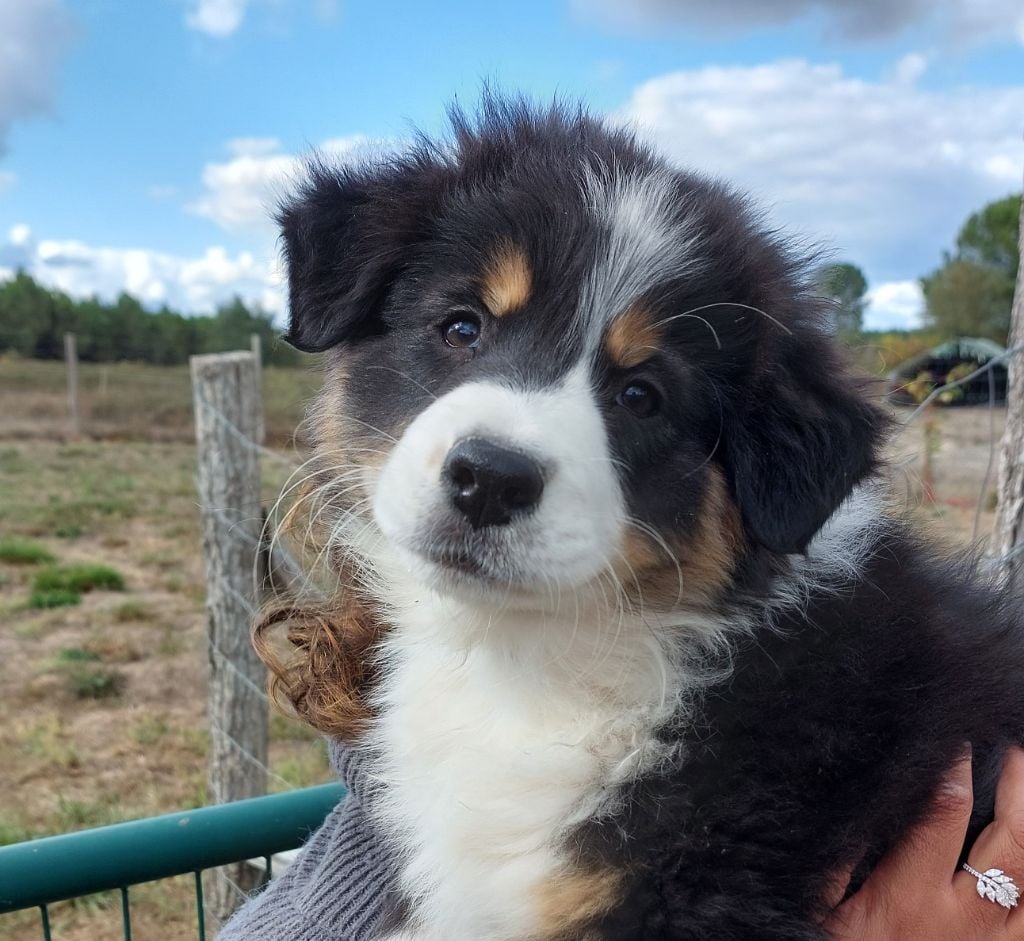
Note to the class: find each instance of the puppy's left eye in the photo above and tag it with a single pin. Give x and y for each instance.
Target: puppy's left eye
(639, 398)
(462, 331)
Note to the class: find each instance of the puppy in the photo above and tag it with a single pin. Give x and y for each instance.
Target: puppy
(630, 640)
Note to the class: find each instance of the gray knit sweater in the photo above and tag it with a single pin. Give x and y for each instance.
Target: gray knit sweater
(336, 887)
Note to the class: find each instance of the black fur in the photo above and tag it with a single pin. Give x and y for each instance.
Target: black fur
(839, 716)
(827, 743)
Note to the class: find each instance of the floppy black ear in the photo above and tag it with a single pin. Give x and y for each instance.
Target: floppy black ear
(804, 437)
(345, 233)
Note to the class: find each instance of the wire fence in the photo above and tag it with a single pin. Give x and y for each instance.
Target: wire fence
(987, 560)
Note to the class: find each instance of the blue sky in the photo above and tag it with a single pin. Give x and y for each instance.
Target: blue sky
(141, 142)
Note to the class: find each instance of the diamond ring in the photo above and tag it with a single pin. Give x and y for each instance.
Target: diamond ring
(996, 886)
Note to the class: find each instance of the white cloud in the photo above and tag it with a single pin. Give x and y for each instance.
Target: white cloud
(34, 38)
(20, 235)
(956, 22)
(217, 18)
(894, 305)
(252, 146)
(222, 18)
(239, 194)
(910, 68)
(192, 284)
(7, 180)
(883, 171)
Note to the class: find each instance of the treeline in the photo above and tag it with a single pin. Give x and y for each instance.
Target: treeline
(34, 319)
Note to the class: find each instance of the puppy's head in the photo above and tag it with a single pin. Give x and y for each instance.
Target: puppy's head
(551, 357)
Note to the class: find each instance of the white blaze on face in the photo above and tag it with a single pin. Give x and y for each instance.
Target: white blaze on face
(576, 528)
(643, 244)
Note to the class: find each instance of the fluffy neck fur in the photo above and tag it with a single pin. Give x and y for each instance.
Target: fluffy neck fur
(500, 729)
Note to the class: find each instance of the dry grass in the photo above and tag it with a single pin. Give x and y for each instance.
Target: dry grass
(131, 400)
(102, 715)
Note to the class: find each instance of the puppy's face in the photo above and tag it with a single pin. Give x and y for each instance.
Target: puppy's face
(555, 362)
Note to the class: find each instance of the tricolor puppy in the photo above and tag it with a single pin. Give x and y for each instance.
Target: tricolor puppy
(627, 634)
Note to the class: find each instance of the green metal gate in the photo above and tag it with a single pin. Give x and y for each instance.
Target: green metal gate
(40, 872)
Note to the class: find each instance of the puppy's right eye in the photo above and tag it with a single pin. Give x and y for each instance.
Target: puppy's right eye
(462, 332)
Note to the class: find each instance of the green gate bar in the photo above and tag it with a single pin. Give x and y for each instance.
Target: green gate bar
(55, 868)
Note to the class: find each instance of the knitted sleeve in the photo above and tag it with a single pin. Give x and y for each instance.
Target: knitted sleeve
(336, 888)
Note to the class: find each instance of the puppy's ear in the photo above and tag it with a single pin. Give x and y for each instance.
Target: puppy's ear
(805, 435)
(345, 233)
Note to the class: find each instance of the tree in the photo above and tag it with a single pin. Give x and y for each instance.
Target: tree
(846, 285)
(971, 293)
(965, 298)
(989, 237)
(33, 320)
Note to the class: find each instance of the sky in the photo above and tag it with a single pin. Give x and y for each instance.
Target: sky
(142, 144)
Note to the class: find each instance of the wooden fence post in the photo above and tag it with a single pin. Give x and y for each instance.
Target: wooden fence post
(71, 359)
(1008, 535)
(256, 345)
(227, 418)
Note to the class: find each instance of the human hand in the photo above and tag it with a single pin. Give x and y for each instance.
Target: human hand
(918, 893)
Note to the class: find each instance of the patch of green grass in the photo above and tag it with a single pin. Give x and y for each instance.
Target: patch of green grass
(78, 815)
(47, 739)
(12, 832)
(83, 677)
(23, 552)
(77, 655)
(53, 598)
(305, 768)
(11, 461)
(196, 740)
(283, 728)
(89, 683)
(78, 578)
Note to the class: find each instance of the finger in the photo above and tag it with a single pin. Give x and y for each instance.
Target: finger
(927, 856)
(1010, 790)
(837, 886)
(1001, 844)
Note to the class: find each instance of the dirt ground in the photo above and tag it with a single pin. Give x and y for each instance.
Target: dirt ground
(964, 446)
(102, 712)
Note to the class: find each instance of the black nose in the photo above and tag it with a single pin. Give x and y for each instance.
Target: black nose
(489, 483)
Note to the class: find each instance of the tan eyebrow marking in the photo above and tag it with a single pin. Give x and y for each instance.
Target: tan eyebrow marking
(632, 336)
(507, 281)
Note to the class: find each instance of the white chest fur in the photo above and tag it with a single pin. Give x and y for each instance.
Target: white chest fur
(493, 747)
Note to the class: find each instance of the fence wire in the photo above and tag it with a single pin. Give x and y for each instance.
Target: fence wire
(987, 560)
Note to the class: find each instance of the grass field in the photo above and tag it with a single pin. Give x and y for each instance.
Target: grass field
(125, 401)
(102, 644)
(102, 716)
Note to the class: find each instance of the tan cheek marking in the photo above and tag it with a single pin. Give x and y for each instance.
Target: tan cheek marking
(507, 282)
(348, 459)
(567, 903)
(703, 564)
(632, 337)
